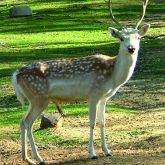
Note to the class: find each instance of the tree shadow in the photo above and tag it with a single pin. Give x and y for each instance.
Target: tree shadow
(74, 17)
(9, 101)
(122, 154)
(48, 53)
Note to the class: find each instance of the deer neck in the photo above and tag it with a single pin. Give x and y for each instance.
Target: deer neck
(124, 67)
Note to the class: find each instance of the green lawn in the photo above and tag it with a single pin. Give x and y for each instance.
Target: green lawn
(64, 28)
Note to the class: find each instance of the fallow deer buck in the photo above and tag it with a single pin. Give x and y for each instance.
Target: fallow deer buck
(93, 78)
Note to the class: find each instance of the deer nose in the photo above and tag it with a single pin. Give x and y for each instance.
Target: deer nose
(131, 49)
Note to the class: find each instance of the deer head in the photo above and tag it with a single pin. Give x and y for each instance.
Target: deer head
(129, 37)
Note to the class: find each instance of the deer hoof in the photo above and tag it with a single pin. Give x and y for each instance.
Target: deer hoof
(94, 157)
(41, 163)
(108, 155)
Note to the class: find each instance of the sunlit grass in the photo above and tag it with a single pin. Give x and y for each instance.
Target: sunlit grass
(68, 29)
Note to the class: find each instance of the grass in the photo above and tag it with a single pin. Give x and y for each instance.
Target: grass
(10, 118)
(73, 29)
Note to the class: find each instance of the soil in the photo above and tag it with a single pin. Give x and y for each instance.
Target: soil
(146, 148)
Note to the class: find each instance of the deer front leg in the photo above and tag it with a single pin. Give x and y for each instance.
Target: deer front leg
(92, 118)
(101, 122)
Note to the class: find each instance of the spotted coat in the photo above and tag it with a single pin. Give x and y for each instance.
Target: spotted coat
(35, 76)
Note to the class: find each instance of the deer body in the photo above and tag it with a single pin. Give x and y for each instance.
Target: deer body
(94, 74)
(93, 78)
(68, 79)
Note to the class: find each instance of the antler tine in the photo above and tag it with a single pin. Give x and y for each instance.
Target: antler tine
(111, 14)
(145, 2)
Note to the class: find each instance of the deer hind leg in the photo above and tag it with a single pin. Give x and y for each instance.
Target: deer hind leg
(35, 109)
(101, 123)
(24, 137)
(23, 140)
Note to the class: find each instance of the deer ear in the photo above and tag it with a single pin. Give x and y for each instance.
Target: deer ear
(114, 32)
(143, 30)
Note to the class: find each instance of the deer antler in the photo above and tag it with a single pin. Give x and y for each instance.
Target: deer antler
(145, 2)
(111, 14)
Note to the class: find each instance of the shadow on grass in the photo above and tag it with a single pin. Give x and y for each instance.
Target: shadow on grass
(9, 101)
(47, 53)
(74, 17)
(124, 153)
(6, 72)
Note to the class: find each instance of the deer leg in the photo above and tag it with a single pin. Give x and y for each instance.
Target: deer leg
(34, 112)
(92, 118)
(24, 137)
(23, 140)
(101, 122)
(59, 110)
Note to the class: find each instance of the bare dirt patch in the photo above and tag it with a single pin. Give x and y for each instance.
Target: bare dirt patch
(136, 138)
